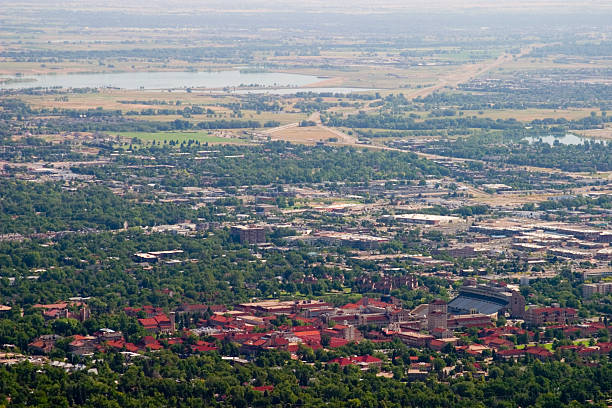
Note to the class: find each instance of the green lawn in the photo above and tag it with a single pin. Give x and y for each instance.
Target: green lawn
(547, 346)
(202, 137)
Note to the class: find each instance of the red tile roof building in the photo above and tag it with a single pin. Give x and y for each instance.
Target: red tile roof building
(539, 316)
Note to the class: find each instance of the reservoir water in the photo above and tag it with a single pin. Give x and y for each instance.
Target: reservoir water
(567, 139)
(160, 80)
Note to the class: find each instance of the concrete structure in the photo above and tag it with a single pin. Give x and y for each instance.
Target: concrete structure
(465, 251)
(361, 241)
(570, 253)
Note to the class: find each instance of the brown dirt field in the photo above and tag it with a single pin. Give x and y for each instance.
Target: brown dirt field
(305, 135)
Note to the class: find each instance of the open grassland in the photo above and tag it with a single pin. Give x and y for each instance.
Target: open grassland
(112, 100)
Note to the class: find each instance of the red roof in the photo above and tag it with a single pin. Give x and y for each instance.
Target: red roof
(79, 337)
(437, 344)
(512, 352)
(264, 388)
(148, 322)
(280, 341)
(131, 347)
(37, 344)
(350, 306)
(337, 342)
(366, 359)
(589, 350)
(118, 344)
(204, 347)
(496, 341)
(51, 306)
(149, 340)
(538, 351)
(605, 348)
(312, 334)
(303, 328)
(343, 361)
(221, 319)
(162, 318)
(569, 347)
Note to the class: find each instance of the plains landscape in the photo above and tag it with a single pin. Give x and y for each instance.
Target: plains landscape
(281, 204)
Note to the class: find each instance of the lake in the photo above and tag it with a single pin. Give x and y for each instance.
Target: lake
(568, 139)
(161, 80)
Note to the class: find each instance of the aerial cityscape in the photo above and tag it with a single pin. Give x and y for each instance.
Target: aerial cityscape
(305, 204)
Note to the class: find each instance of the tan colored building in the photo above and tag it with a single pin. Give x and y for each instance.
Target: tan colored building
(249, 234)
(539, 316)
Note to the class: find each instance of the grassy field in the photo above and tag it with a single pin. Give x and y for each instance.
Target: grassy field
(202, 137)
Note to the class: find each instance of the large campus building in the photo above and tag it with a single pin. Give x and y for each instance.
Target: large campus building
(488, 299)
